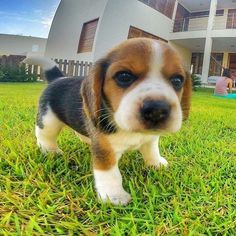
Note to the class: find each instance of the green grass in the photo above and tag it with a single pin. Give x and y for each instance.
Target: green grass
(54, 195)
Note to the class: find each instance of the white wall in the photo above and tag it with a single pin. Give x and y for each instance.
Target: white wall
(188, 35)
(119, 15)
(115, 18)
(227, 33)
(21, 45)
(64, 35)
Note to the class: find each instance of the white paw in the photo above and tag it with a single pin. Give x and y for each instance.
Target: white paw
(161, 161)
(46, 149)
(121, 197)
(57, 151)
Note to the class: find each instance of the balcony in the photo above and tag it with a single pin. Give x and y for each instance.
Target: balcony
(225, 22)
(191, 23)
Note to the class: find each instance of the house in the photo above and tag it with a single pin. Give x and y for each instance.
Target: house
(21, 45)
(203, 31)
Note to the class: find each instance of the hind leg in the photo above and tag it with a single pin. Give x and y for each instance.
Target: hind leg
(47, 129)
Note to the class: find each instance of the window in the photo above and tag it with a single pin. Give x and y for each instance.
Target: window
(197, 62)
(201, 14)
(87, 36)
(136, 33)
(35, 48)
(231, 19)
(181, 19)
(232, 61)
(166, 7)
(215, 63)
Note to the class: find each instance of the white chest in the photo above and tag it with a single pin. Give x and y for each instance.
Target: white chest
(123, 141)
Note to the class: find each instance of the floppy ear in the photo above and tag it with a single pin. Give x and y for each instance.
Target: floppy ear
(91, 91)
(186, 96)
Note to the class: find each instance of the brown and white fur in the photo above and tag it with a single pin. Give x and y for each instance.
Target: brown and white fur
(136, 93)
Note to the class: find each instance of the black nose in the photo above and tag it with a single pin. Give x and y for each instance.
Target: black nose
(154, 112)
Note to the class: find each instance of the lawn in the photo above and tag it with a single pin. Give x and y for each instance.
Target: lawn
(54, 195)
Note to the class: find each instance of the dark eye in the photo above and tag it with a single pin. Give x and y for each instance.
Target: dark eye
(124, 78)
(177, 81)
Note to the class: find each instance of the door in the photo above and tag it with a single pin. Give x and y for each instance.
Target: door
(232, 61)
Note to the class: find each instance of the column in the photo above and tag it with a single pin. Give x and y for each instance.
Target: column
(206, 59)
(225, 60)
(174, 11)
(208, 43)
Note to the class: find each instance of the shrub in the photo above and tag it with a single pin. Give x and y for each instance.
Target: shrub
(196, 82)
(16, 74)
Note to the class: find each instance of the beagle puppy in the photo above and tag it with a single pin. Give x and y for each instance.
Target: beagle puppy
(133, 95)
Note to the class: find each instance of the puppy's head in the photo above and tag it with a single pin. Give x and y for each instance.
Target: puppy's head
(140, 86)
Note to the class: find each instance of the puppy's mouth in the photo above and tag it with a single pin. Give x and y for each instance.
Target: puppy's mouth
(151, 116)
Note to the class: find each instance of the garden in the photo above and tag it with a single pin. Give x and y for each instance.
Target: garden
(54, 194)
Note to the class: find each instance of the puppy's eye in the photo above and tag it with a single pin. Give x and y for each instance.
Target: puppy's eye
(124, 78)
(177, 81)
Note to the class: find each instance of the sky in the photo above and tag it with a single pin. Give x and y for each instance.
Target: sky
(27, 17)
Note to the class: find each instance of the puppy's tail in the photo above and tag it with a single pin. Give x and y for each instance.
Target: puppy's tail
(52, 72)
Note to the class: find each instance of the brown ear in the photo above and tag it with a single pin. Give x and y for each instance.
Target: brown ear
(91, 91)
(186, 96)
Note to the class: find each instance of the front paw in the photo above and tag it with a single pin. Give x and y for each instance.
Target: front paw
(160, 162)
(45, 149)
(117, 198)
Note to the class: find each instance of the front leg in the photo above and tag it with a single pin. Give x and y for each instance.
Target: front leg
(108, 180)
(151, 154)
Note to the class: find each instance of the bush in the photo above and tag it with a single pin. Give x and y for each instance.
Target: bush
(16, 74)
(196, 82)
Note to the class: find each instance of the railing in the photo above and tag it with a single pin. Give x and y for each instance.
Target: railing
(74, 68)
(191, 23)
(68, 67)
(200, 23)
(225, 22)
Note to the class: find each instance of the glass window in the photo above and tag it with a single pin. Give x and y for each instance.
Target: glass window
(166, 7)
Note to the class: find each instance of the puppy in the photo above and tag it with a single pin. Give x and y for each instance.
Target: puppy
(136, 93)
